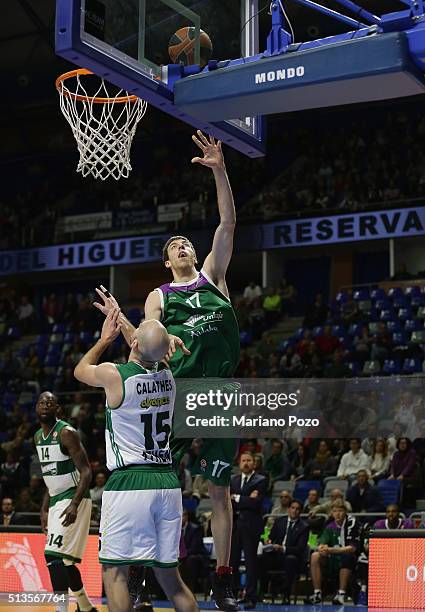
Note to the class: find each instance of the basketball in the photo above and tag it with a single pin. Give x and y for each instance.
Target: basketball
(181, 47)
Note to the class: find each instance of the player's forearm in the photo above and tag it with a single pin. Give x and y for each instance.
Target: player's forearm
(127, 329)
(226, 205)
(90, 358)
(45, 502)
(83, 485)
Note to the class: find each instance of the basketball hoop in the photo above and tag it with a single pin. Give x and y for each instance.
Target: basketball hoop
(103, 124)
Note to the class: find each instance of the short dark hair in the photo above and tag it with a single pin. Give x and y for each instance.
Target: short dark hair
(169, 241)
(297, 501)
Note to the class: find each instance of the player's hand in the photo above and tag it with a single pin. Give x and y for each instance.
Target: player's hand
(43, 521)
(175, 343)
(277, 547)
(109, 302)
(213, 155)
(254, 494)
(111, 327)
(70, 514)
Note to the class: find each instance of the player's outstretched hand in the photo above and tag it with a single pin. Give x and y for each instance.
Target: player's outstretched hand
(175, 343)
(213, 155)
(109, 302)
(111, 327)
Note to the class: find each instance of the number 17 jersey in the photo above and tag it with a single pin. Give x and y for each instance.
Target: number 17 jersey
(203, 317)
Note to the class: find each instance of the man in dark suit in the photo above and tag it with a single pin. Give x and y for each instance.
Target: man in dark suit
(194, 556)
(286, 548)
(9, 516)
(364, 497)
(247, 491)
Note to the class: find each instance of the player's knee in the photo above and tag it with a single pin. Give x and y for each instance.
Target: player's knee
(315, 557)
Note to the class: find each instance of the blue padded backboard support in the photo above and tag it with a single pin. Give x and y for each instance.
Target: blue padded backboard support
(367, 69)
(69, 45)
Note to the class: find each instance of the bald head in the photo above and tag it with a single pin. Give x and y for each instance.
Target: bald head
(152, 340)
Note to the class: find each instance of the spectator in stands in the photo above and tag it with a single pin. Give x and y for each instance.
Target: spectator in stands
(259, 468)
(362, 345)
(252, 292)
(185, 479)
(381, 344)
(338, 546)
(99, 486)
(200, 488)
(363, 496)
(312, 362)
(9, 516)
(278, 465)
(299, 462)
(350, 312)
(312, 500)
(195, 562)
(247, 491)
(302, 346)
(288, 294)
(380, 459)
(316, 314)
(326, 342)
(282, 505)
(337, 368)
(404, 462)
(36, 488)
(272, 305)
(286, 548)
(419, 443)
(353, 461)
(326, 506)
(25, 503)
(290, 363)
(322, 465)
(51, 308)
(256, 318)
(11, 474)
(393, 520)
(404, 414)
(70, 308)
(25, 315)
(401, 273)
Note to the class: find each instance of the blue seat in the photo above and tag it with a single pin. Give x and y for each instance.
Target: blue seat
(395, 292)
(13, 333)
(9, 399)
(298, 335)
(354, 368)
(58, 328)
(401, 301)
(413, 325)
(317, 331)
(394, 326)
(391, 367)
(282, 346)
(413, 290)
(405, 313)
(338, 330)
(390, 491)
(245, 338)
(52, 360)
(361, 294)
(417, 301)
(341, 297)
(355, 330)
(42, 339)
(383, 304)
(69, 337)
(377, 294)
(86, 337)
(387, 315)
(399, 338)
(411, 366)
(303, 487)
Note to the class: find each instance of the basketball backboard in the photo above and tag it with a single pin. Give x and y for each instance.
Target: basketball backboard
(126, 42)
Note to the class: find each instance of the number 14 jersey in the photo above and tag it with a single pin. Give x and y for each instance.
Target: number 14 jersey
(138, 430)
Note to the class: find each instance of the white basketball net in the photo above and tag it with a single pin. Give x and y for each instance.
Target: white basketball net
(103, 130)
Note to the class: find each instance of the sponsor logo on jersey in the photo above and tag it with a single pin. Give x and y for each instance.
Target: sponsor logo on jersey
(208, 329)
(205, 318)
(49, 469)
(154, 401)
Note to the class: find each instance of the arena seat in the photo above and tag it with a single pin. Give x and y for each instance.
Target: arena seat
(303, 487)
(390, 491)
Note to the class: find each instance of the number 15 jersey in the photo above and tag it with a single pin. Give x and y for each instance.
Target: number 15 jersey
(138, 430)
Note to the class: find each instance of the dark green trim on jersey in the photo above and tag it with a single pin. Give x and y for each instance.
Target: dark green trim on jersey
(114, 445)
(62, 467)
(68, 494)
(145, 562)
(143, 478)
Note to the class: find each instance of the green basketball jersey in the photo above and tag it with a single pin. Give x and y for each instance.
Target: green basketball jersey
(58, 469)
(203, 317)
